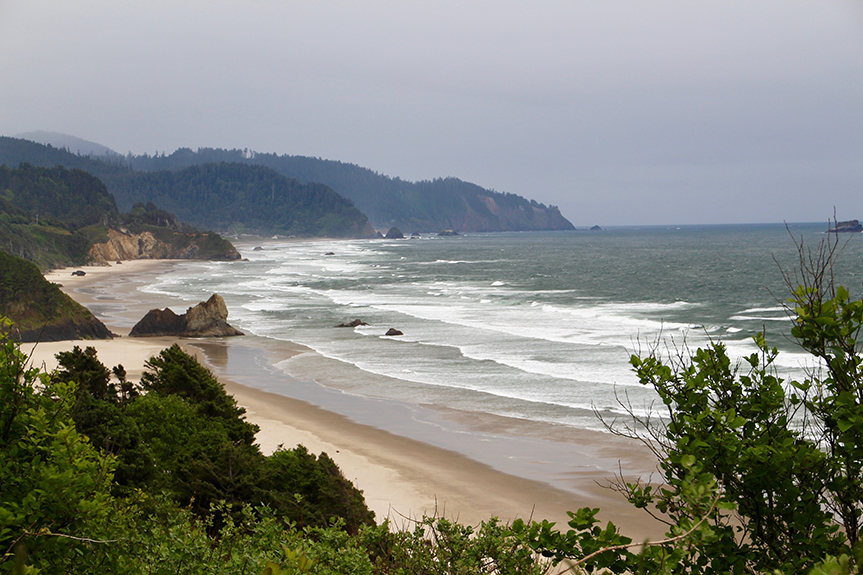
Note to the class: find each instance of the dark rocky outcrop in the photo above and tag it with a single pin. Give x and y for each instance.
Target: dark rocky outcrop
(850, 226)
(596, 229)
(207, 319)
(354, 323)
(393, 331)
(69, 330)
(38, 309)
(159, 322)
(394, 234)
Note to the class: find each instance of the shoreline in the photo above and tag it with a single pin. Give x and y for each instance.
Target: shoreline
(402, 477)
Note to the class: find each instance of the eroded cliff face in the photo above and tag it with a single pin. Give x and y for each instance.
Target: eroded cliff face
(122, 245)
(209, 319)
(515, 217)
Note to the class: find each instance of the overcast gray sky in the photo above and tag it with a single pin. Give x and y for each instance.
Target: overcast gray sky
(619, 112)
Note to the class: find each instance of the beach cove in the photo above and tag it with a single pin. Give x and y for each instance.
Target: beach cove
(409, 460)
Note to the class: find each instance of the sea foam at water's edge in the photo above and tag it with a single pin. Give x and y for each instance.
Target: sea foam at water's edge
(533, 326)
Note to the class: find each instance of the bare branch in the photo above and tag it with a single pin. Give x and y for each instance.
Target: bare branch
(84, 539)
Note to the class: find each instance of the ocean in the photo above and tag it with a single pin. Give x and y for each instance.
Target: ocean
(532, 327)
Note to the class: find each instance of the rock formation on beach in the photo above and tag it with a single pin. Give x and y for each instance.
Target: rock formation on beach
(124, 245)
(207, 319)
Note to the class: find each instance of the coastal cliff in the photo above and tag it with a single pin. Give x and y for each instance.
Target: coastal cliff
(124, 245)
(494, 215)
(56, 217)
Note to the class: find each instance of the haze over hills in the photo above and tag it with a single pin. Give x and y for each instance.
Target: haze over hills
(426, 206)
(71, 143)
(245, 198)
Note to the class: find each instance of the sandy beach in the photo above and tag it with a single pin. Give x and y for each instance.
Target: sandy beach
(402, 477)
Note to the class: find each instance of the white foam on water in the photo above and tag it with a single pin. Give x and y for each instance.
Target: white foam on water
(775, 309)
(476, 332)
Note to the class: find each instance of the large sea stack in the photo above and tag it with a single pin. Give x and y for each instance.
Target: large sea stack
(207, 319)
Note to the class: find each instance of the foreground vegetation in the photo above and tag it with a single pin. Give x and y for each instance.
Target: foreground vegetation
(104, 476)
(758, 475)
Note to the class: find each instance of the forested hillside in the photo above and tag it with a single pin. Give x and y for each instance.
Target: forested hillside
(38, 309)
(222, 195)
(428, 206)
(51, 216)
(54, 217)
(307, 205)
(244, 198)
(14, 151)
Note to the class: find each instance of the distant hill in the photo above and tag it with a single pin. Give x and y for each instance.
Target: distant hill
(73, 144)
(427, 206)
(235, 197)
(15, 151)
(38, 309)
(245, 198)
